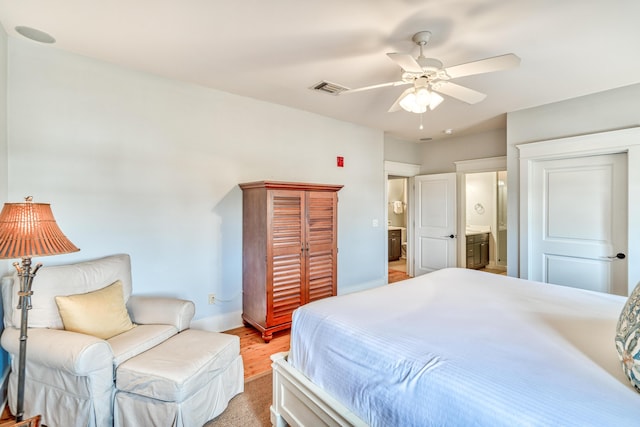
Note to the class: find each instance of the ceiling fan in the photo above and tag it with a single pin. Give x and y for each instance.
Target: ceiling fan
(430, 78)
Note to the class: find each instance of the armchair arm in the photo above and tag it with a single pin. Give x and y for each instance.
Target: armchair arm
(7, 299)
(78, 354)
(158, 310)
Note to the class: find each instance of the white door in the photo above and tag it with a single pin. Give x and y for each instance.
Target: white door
(579, 222)
(435, 222)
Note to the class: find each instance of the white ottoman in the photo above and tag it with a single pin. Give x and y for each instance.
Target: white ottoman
(183, 382)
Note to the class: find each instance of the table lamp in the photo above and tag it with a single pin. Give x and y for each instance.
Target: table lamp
(28, 229)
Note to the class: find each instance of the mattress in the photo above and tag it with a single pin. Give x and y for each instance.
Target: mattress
(466, 348)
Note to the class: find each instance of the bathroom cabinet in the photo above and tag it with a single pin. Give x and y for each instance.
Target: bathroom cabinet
(395, 244)
(289, 250)
(477, 250)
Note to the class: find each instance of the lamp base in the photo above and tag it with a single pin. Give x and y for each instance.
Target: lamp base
(26, 275)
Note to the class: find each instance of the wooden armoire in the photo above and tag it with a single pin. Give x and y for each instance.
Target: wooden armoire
(289, 250)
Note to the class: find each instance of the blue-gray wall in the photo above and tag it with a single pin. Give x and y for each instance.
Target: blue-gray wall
(3, 179)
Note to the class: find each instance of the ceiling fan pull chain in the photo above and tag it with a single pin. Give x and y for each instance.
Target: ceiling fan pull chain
(421, 126)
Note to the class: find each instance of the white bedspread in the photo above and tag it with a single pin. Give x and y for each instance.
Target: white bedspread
(459, 347)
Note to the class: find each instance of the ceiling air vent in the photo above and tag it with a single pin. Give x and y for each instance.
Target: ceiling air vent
(328, 87)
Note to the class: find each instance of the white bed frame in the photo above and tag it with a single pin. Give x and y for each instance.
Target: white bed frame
(299, 402)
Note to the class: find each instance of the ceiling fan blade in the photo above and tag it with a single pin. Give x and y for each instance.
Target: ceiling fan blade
(462, 93)
(497, 63)
(396, 105)
(378, 86)
(406, 62)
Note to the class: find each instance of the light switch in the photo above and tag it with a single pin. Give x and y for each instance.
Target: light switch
(374, 223)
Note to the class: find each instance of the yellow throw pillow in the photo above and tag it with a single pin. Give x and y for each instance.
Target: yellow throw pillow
(100, 313)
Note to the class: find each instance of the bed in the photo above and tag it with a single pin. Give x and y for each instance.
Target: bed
(456, 347)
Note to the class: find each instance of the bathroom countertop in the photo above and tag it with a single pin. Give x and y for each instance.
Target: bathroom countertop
(477, 229)
(475, 232)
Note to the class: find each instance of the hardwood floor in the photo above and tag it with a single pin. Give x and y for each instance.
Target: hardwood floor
(255, 352)
(10, 422)
(396, 276)
(6, 416)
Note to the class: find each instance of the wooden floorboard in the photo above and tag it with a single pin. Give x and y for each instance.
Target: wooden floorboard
(6, 415)
(256, 354)
(397, 276)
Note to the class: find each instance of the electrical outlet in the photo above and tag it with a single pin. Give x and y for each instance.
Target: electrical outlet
(212, 299)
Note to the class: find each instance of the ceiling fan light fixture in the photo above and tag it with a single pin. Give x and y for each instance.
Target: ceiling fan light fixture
(418, 99)
(423, 96)
(419, 109)
(410, 103)
(435, 101)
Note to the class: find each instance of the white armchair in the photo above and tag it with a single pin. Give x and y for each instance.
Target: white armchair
(70, 375)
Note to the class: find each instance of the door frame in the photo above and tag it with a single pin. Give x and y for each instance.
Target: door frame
(406, 170)
(609, 142)
(463, 167)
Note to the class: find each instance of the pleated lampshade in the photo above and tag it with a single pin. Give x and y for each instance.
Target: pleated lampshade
(28, 229)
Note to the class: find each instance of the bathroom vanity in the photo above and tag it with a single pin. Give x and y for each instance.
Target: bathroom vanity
(477, 250)
(395, 243)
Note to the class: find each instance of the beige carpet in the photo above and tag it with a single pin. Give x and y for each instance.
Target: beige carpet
(248, 409)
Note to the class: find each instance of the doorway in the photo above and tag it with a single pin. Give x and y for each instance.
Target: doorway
(397, 220)
(485, 221)
(406, 171)
(485, 207)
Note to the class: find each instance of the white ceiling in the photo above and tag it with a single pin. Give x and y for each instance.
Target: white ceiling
(274, 50)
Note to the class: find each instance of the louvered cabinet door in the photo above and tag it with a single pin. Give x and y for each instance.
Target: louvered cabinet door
(285, 260)
(321, 245)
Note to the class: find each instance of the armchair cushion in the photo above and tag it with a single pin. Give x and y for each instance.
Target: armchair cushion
(69, 279)
(100, 313)
(159, 310)
(138, 340)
